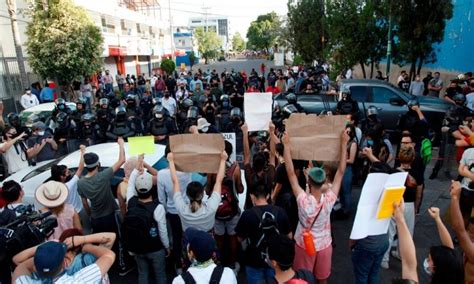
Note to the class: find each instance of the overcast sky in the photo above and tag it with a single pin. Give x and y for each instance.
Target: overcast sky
(239, 12)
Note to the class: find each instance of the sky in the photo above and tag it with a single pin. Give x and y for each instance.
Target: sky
(239, 12)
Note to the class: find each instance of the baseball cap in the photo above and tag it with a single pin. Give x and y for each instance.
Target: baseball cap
(317, 175)
(49, 257)
(39, 126)
(201, 244)
(91, 160)
(144, 183)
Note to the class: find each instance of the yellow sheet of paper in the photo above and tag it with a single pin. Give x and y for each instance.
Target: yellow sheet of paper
(141, 145)
(389, 196)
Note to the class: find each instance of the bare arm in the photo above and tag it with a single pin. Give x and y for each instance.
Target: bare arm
(25, 268)
(352, 154)
(276, 192)
(174, 175)
(24, 255)
(457, 222)
(105, 239)
(336, 184)
(442, 231)
(85, 204)
(406, 245)
(245, 132)
(105, 257)
(80, 168)
(11, 142)
(290, 170)
(121, 159)
(272, 144)
(76, 221)
(239, 187)
(220, 173)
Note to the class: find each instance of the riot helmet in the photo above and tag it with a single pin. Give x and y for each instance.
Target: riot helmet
(372, 110)
(81, 102)
(61, 104)
(13, 119)
(193, 113)
(88, 117)
(131, 100)
(159, 112)
(187, 103)
(459, 99)
(62, 119)
(104, 103)
(121, 113)
(291, 98)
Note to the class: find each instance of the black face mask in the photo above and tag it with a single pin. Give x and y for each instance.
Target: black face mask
(167, 95)
(472, 85)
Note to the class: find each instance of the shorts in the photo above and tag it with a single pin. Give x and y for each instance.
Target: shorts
(320, 264)
(221, 227)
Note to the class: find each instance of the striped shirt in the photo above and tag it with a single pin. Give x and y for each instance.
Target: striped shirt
(89, 274)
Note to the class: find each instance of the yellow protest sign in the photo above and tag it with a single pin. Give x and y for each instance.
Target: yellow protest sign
(141, 145)
(390, 196)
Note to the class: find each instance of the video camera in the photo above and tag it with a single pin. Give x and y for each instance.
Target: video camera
(26, 231)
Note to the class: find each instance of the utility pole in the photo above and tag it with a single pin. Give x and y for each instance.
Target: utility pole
(389, 42)
(11, 4)
(171, 31)
(205, 8)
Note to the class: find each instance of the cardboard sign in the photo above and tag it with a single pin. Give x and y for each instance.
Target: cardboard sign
(258, 110)
(230, 136)
(141, 145)
(315, 137)
(197, 152)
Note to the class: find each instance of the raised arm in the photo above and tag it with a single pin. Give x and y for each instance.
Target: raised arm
(105, 239)
(174, 175)
(220, 173)
(442, 231)
(245, 131)
(273, 140)
(80, 168)
(290, 170)
(370, 155)
(406, 245)
(105, 257)
(457, 222)
(11, 142)
(336, 184)
(121, 159)
(24, 255)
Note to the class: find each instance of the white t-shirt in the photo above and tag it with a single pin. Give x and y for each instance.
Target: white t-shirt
(28, 101)
(203, 275)
(86, 90)
(169, 104)
(203, 219)
(470, 101)
(16, 158)
(466, 160)
(73, 197)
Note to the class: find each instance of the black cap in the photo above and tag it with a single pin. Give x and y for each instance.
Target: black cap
(91, 160)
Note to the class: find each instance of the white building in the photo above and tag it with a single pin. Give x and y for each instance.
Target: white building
(216, 24)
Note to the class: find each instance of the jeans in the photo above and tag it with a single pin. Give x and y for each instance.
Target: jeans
(154, 262)
(255, 275)
(367, 256)
(392, 228)
(88, 103)
(121, 87)
(109, 88)
(346, 192)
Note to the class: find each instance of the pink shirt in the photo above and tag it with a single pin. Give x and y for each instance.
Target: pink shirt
(308, 208)
(65, 221)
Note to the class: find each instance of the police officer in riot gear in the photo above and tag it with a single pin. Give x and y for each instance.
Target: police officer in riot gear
(134, 113)
(102, 125)
(223, 112)
(183, 111)
(104, 107)
(80, 111)
(372, 121)
(347, 105)
(235, 121)
(121, 126)
(114, 101)
(146, 106)
(14, 121)
(293, 100)
(65, 130)
(87, 133)
(161, 126)
(191, 119)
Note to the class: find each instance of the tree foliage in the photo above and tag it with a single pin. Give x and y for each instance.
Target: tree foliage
(306, 28)
(262, 32)
(357, 33)
(238, 43)
(209, 43)
(420, 26)
(192, 59)
(168, 66)
(63, 42)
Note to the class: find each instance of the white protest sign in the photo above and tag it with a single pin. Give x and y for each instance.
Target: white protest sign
(258, 110)
(366, 222)
(230, 136)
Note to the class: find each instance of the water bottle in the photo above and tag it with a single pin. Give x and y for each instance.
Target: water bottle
(309, 243)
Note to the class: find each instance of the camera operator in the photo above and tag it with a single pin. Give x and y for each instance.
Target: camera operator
(12, 194)
(40, 134)
(15, 151)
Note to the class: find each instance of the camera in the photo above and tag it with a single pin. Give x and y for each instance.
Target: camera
(26, 231)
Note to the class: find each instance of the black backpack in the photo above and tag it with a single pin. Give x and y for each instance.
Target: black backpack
(268, 227)
(139, 228)
(215, 277)
(229, 206)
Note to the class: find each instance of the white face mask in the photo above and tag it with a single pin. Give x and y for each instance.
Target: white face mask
(41, 133)
(426, 267)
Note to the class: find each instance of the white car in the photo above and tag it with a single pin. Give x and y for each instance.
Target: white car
(42, 110)
(33, 176)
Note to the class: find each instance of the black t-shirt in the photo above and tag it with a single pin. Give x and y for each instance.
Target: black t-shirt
(301, 274)
(411, 183)
(248, 228)
(452, 91)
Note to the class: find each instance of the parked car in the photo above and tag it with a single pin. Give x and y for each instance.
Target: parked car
(33, 176)
(43, 111)
(387, 98)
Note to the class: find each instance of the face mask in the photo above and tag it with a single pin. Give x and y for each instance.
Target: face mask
(370, 143)
(28, 92)
(167, 95)
(472, 85)
(426, 267)
(41, 133)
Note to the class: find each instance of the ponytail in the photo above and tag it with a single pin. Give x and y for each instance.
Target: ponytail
(195, 205)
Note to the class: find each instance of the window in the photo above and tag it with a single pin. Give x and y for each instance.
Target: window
(107, 25)
(359, 93)
(139, 31)
(196, 21)
(40, 170)
(382, 95)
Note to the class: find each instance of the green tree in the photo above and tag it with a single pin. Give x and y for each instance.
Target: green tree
(192, 59)
(63, 42)
(262, 32)
(209, 44)
(238, 43)
(420, 25)
(306, 28)
(356, 33)
(168, 66)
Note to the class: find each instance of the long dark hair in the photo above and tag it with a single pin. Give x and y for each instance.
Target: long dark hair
(448, 267)
(57, 171)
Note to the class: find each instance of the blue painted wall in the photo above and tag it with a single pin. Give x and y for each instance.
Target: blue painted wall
(456, 51)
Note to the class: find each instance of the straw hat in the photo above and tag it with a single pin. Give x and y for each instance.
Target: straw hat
(51, 194)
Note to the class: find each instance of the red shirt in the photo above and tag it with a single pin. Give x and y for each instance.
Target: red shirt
(273, 90)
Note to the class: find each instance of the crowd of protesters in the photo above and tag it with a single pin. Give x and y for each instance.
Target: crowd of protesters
(188, 227)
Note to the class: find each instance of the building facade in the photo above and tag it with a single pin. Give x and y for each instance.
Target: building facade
(220, 25)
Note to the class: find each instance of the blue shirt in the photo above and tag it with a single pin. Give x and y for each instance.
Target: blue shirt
(47, 94)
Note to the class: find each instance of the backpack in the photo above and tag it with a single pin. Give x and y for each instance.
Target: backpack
(426, 151)
(215, 277)
(268, 226)
(139, 228)
(229, 206)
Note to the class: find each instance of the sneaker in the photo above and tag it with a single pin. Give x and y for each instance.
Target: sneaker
(396, 255)
(384, 265)
(126, 270)
(236, 268)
